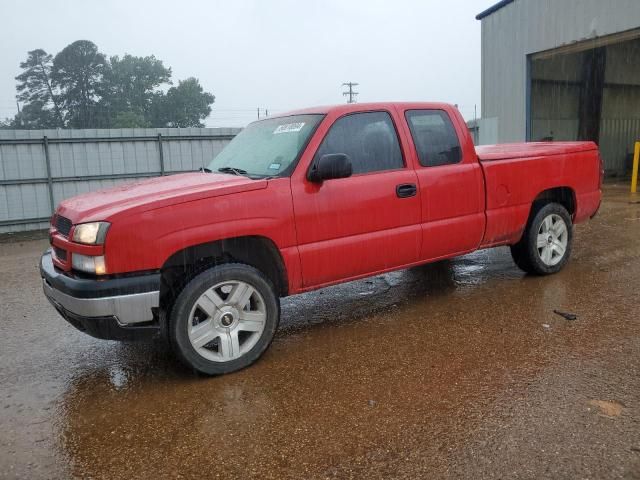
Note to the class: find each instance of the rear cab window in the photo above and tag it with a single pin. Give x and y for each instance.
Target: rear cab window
(369, 139)
(434, 137)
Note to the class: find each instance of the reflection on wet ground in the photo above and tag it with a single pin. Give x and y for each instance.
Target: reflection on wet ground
(457, 369)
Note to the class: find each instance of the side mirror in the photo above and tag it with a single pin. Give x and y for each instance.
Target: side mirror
(333, 165)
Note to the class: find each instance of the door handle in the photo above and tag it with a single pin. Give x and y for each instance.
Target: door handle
(405, 190)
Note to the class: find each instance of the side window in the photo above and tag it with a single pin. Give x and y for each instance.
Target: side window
(369, 139)
(434, 137)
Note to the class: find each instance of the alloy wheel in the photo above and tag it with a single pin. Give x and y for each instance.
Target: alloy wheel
(226, 321)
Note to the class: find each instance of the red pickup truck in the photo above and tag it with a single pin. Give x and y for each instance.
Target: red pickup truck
(298, 202)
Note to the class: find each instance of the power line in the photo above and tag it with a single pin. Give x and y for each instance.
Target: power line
(350, 93)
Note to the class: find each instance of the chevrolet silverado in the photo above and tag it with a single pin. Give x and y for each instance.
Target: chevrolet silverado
(300, 201)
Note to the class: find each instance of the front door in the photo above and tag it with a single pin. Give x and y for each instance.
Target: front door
(365, 223)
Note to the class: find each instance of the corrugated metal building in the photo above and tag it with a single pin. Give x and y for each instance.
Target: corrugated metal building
(564, 70)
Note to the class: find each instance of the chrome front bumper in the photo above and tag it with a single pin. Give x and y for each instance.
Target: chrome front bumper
(123, 308)
(127, 309)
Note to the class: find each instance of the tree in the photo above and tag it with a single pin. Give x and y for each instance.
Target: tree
(9, 124)
(81, 88)
(129, 120)
(183, 106)
(36, 90)
(35, 115)
(131, 84)
(78, 72)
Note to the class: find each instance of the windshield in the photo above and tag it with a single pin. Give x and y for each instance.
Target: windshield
(267, 148)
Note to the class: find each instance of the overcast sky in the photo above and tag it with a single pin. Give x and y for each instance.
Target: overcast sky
(274, 54)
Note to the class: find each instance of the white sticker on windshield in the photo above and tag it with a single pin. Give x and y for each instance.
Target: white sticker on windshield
(274, 166)
(288, 128)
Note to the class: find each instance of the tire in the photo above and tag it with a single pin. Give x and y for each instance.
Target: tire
(552, 224)
(224, 319)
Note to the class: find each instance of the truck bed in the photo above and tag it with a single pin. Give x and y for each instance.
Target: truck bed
(516, 173)
(487, 153)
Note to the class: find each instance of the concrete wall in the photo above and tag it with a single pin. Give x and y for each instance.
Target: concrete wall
(524, 27)
(36, 175)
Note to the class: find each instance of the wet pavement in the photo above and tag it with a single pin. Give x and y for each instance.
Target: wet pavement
(456, 370)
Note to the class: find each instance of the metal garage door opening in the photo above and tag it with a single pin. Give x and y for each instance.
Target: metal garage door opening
(589, 91)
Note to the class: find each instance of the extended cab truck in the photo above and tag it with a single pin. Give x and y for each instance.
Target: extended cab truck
(298, 202)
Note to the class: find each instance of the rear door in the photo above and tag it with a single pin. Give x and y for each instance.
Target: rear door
(365, 223)
(451, 185)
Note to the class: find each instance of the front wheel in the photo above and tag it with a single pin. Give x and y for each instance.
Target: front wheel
(545, 246)
(224, 319)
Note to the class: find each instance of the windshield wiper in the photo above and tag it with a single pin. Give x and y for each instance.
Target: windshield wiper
(204, 169)
(232, 170)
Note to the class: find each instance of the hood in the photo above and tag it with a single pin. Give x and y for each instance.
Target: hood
(153, 193)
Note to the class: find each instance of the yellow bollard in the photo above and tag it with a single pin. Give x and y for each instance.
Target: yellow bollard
(634, 174)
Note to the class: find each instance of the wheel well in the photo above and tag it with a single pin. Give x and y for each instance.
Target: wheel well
(565, 196)
(259, 252)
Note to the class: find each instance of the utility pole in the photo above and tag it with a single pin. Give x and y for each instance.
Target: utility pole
(350, 93)
(258, 113)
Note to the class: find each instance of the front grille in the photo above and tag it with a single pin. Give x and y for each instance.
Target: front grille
(63, 225)
(60, 254)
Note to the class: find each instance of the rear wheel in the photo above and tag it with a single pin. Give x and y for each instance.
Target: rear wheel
(545, 246)
(224, 319)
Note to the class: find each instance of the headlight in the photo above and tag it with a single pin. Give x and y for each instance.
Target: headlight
(89, 264)
(91, 233)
